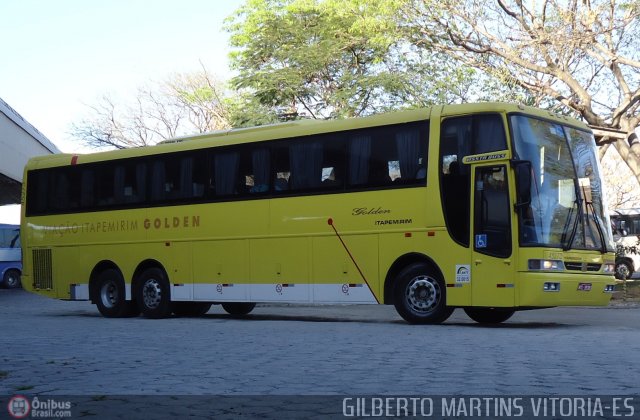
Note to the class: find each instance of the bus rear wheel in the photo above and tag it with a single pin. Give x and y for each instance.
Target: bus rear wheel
(111, 298)
(153, 293)
(191, 308)
(11, 279)
(489, 315)
(238, 308)
(420, 296)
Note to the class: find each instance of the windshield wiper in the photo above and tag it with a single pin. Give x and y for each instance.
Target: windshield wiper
(566, 243)
(591, 209)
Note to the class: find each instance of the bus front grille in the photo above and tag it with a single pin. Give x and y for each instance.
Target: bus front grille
(42, 278)
(580, 266)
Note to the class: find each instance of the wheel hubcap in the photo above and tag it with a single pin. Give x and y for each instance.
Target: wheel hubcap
(152, 293)
(109, 294)
(423, 294)
(623, 270)
(12, 280)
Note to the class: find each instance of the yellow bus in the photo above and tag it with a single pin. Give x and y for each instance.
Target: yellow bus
(488, 207)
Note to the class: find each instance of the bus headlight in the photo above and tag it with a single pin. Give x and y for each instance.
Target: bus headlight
(609, 267)
(553, 265)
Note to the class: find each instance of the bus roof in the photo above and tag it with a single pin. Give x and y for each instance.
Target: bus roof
(297, 128)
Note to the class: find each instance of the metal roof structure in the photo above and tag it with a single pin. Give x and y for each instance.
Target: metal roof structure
(19, 141)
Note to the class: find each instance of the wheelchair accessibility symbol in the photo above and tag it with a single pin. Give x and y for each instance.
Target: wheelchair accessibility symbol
(481, 241)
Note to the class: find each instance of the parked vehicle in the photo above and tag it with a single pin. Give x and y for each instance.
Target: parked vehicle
(10, 256)
(330, 212)
(626, 224)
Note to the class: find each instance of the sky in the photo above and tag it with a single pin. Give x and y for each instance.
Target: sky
(59, 56)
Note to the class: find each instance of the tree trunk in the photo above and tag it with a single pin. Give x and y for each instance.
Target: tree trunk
(632, 160)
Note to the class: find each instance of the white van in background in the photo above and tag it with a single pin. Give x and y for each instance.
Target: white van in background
(626, 234)
(10, 256)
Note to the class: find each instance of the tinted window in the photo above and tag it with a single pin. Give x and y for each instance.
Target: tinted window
(455, 178)
(492, 221)
(9, 237)
(461, 137)
(380, 157)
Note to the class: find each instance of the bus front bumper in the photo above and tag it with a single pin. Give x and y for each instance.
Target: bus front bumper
(564, 289)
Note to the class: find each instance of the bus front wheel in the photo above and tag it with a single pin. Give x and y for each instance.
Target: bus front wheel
(238, 308)
(153, 293)
(111, 298)
(489, 315)
(420, 295)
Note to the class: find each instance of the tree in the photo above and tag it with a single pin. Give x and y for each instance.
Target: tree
(582, 54)
(337, 58)
(184, 104)
(622, 189)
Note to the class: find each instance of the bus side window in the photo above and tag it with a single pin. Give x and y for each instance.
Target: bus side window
(177, 171)
(256, 167)
(184, 183)
(60, 199)
(383, 166)
(359, 159)
(200, 180)
(409, 159)
(455, 179)
(105, 185)
(87, 188)
(333, 162)
(305, 161)
(226, 169)
(37, 192)
(158, 176)
(488, 134)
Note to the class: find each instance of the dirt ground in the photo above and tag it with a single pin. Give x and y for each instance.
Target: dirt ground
(628, 291)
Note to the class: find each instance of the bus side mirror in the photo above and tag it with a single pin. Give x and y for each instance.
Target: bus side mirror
(523, 183)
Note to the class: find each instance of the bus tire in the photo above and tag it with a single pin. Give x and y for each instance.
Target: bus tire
(489, 315)
(238, 308)
(11, 279)
(111, 297)
(420, 295)
(191, 308)
(153, 292)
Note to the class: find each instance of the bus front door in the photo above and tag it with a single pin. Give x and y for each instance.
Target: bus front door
(492, 270)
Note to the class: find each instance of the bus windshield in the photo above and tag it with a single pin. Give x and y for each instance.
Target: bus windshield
(567, 203)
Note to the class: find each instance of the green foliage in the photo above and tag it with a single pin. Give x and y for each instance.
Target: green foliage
(332, 59)
(245, 111)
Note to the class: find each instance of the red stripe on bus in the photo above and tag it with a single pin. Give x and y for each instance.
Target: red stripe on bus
(330, 222)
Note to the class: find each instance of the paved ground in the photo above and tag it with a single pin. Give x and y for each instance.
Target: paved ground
(53, 347)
